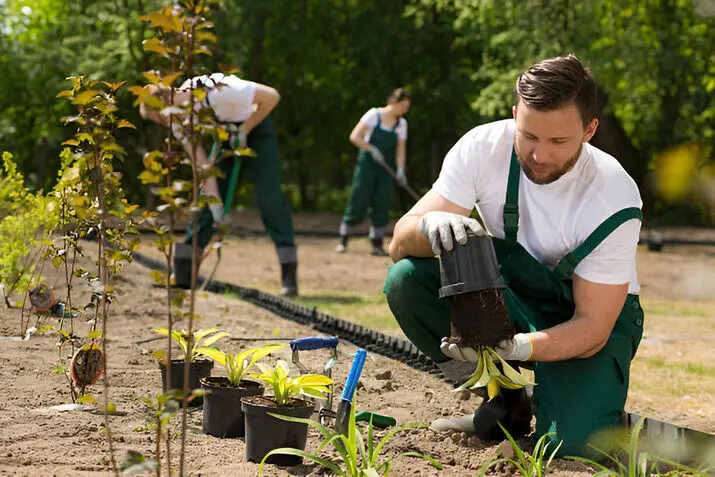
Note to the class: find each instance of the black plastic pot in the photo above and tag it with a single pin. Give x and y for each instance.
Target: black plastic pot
(265, 433)
(197, 370)
(469, 267)
(223, 416)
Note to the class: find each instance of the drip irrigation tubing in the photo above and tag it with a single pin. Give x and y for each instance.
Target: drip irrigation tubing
(386, 345)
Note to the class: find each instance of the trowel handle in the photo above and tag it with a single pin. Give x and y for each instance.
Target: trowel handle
(354, 376)
(315, 342)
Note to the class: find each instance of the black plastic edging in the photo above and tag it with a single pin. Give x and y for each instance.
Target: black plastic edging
(371, 340)
(389, 346)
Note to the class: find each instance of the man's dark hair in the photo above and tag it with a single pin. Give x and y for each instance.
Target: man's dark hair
(552, 83)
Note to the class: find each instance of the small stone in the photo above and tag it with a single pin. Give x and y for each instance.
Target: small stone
(384, 375)
(505, 450)
(464, 395)
(133, 361)
(447, 440)
(450, 460)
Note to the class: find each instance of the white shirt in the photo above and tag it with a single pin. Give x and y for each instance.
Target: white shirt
(230, 97)
(554, 218)
(370, 119)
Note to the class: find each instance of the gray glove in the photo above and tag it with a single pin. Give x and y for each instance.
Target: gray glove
(437, 226)
(518, 348)
(401, 177)
(377, 155)
(242, 138)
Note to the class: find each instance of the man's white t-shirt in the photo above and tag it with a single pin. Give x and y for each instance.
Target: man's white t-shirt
(554, 218)
(370, 120)
(230, 97)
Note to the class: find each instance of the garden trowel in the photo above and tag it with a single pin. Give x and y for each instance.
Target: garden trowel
(342, 418)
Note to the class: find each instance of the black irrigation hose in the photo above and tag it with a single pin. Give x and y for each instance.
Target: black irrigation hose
(386, 345)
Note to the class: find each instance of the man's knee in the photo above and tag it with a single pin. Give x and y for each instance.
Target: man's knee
(401, 281)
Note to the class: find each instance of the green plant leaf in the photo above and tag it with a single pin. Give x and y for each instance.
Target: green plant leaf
(289, 451)
(214, 354)
(136, 463)
(86, 399)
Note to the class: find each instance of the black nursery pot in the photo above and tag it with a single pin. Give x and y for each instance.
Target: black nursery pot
(265, 433)
(197, 370)
(223, 416)
(470, 267)
(472, 281)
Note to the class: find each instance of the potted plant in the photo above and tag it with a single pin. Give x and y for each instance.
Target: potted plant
(264, 432)
(198, 368)
(223, 416)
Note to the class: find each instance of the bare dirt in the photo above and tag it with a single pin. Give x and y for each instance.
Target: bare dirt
(39, 441)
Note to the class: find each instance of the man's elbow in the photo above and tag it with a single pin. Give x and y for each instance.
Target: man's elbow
(276, 97)
(596, 349)
(395, 251)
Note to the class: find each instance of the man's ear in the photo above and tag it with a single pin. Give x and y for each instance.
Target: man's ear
(590, 130)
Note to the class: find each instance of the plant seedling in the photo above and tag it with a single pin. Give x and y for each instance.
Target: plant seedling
(286, 388)
(356, 458)
(190, 344)
(237, 365)
(528, 465)
(489, 375)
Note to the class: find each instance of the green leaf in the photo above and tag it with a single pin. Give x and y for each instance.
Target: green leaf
(213, 353)
(87, 399)
(85, 97)
(289, 451)
(123, 123)
(434, 462)
(136, 463)
(93, 335)
(155, 45)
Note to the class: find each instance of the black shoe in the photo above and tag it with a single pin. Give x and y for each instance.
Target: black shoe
(511, 408)
(289, 279)
(343, 245)
(182, 265)
(377, 249)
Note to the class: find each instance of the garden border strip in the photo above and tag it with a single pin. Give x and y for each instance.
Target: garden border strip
(389, 346)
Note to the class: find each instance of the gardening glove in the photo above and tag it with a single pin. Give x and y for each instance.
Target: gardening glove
(438, 226)
(242, 138)
(517, 348)
(401, 177)
(377, 155)
(217, 213)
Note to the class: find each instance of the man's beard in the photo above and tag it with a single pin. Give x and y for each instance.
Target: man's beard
(549, 177)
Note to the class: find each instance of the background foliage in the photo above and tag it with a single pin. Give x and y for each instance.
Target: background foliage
(333, 59)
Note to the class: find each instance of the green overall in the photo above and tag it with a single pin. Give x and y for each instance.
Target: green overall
(575, 397)
(264, 171)
(372, 184)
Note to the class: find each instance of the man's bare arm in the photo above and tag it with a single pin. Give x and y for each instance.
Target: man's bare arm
(597, 309)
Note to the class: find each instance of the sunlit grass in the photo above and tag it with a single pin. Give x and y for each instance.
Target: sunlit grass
(369, 310)
(678, 308)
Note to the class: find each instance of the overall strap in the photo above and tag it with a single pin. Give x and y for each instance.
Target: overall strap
(511, 204)
(567, 264)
